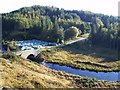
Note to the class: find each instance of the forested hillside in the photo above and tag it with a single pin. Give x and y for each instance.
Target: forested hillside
(54, 24)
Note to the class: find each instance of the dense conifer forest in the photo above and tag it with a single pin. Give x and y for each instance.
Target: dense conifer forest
(54, 24)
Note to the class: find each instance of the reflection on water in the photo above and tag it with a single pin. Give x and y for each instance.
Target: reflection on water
(108, 76)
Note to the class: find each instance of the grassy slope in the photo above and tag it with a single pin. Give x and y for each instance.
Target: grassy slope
(20, 73)
(82, 36)
(80, 55)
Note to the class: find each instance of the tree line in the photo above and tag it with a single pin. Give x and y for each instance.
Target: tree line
(54, 24)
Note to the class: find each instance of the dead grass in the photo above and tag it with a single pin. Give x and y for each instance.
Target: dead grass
(21, 73)
(26, 74)
(83, 56)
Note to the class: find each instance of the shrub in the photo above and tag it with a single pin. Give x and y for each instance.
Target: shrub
(87, 82)
(71, 32)
(8, 56)
(39, 58)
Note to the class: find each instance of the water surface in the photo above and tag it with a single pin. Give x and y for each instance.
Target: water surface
(107, 76)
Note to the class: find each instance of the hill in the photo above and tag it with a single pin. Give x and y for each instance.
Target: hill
(51, 24)
(17, 72)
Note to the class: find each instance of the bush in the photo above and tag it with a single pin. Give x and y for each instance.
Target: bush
(39, 58)
(71, 33)
(8, 56)
(87, 82)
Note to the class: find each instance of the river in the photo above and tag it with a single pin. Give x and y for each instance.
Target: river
(107, 76)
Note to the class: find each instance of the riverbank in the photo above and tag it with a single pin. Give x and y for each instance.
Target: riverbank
(80, 55)
(17, 72)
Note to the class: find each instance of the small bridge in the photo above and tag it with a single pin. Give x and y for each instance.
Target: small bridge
(26, 53)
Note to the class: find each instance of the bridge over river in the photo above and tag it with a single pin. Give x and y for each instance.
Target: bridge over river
(35, 52)
(26, 53)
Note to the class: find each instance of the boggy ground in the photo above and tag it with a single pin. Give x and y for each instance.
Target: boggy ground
(17, 72)
(83, 56)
